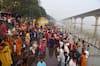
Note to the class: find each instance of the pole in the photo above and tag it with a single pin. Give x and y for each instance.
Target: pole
(96, 26)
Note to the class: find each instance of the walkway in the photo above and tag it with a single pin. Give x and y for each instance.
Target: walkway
(51, 61)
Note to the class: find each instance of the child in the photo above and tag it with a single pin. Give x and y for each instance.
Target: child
(41, 62)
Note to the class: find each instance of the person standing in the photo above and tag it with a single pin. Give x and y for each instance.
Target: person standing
(43, 47)
(51, 45)
(83, 59)
(18, 45)
(62, 56)
(3, 30)
(5, 55)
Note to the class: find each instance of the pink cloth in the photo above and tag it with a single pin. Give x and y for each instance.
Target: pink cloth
(42, 47)
(3, 29)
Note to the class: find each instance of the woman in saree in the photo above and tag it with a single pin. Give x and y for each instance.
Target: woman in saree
(5, 55)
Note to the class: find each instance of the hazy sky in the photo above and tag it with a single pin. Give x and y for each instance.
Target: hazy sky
(61, 9)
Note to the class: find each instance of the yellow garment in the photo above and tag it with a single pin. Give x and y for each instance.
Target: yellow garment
(11, 42)
(8, 44)
(5, 56)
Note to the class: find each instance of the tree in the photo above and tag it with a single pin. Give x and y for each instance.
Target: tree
(29, 8)
(26, 8)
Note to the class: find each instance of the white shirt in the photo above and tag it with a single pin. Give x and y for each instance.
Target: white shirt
(67, 44)
(66, 49)
(72, 63)
(61, 44)
(9, 32)
(14, 48)
(61, 52)
(87, 53)
(9, 20)
(58, 49)
(62, 57)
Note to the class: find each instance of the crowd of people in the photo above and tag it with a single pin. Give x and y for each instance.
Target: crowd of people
(22, 43)
(72, 51)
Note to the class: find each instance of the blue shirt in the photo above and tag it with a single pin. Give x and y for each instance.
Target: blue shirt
(51, 42)
(41, 64)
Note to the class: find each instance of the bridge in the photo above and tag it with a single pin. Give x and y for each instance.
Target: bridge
(92, 38)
